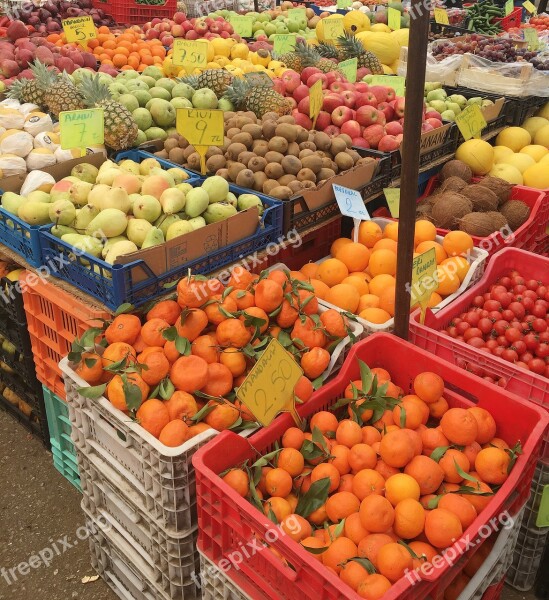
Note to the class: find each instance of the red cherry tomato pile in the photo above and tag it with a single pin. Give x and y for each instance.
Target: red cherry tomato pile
(510, 321)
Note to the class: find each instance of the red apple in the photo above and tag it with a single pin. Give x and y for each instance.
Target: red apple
(432, 114)
(399, 106)
(317, 77)
(300, 92)
(361, 87)
(291, 81)
(436, 123)
(224, 34)
(301, 119)
(399, 138)
(167, 40)
(387, 110)
(179, 17)
(367, 115)
(379, 91)
(200, 27)
(331, 130)
(388, 143)
(278, 85)
(360, 142)
(349, 98)
(366, 99)
(307, 72)
(304, 105)
(331, 102)
(216, 28)
(336, 87)
(190, 35)
(351, 128)
(391, 94)
(373, 134)
(426, 127)
(323, 120)
(341, 114)
(187, 25)
(332, 77)
(361, 73)
(393, 128)
(381, 120)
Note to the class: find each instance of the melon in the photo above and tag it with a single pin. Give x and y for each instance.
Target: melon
(478, 154)
(383, 45)
(518, 160)
(387, 70)
(381, 27)
(401, 36)
(500, 152)
(537, 176)
(542, 136)
(536, 151)
(544, 111)
(513, 137)
(355, 21)
(507, 173)
(532, 124)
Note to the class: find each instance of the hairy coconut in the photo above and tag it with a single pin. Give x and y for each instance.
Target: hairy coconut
(452, 184)
(516, 213)
(483, 198)
(482, 224)
(500, 187)
(449, 208)
(456, 168)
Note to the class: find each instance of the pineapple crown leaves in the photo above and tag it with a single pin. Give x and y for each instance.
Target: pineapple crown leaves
(16, 89)
(44, 76)
(94, 90)
(191, 80)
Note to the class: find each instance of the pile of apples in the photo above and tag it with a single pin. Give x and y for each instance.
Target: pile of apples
(371, 115)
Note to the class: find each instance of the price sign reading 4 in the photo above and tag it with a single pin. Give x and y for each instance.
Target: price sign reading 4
(471, 121)
(333, 28)
(315, 100)
(201, 128)
(441, 16)
(242, 25)
(79, 30)
(190, 54)
(393, 81)
(424, 280)
(269, 387)
(81, 128)
(531, 36)
(283, 43)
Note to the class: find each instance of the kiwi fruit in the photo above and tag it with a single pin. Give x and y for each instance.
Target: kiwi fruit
(243, 138)
(273, 156)
(245, 157)
(312, 162)
(232, 132)
(286, 179)
(259, 179)
(278, 144)
(281, 192)
(295, 186)
(260, 147)
(286, 119)
(347, 139)
(307, 185)
(257, 163)
(234, 150)
(306, 175)
(213, 151)
(307, 146)
(162, 153)
(269, 185)
(327, 163)
(291, 165)
(268, 128)
(343, 161)
(194, 161)
(338, 145)
(293, 149)
(274, 170)
(286, 130)
(183, 143)
(234, 170)
(270, 116)
(304, 153)
(176, 155)
(188, 151)
(243, 120)
(245, 178)
(353, 154)
(302, 134)
(322, 140)
(214, 163)
(253, 129)
(223, 173)
(170, 143)
(325, 174)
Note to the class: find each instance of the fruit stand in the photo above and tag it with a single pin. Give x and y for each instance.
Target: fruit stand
(278, 308)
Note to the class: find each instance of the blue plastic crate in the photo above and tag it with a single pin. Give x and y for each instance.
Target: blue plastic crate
(139, 156)
(21, 237)
(135, 282)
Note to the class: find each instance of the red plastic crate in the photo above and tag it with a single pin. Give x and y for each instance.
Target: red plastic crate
(527, 235)
(513, 19)
(430, 336)
(227, 522)
(54, 319)
(130, 12)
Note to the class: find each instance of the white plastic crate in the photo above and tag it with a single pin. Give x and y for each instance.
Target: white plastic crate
(171, 560)
(215, 585)
(126, 573)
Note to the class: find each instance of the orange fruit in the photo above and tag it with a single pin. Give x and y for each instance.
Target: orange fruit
(153, 416)
(486, 424)
(369, 546)
(338, 244)
(353, 528)
(233, 333)
(303, 389)
(369, 233)
(413, 413)
(280, 507)
(354, 256)
(353, 574)
(393, 561)
(457, 243)
(325, 421)
(151, 332)
(332, 271)
(376, 513)
(492, 465)
(378, 283)
(362, 456)
(124, 328)
(339, 551)
(461, 507)
(391, 231)
(367, 301)
(382, 262)
(348, 433)
(387, 300)
(442, 527)
(424, 231)
(459, 264)
(315, 362)
(448, 281)
(326, 470)
(395, 448)
(115, 390)
(191, 293)
(189, 373)
(223, 416)
(448, 464)
(309, 270)
(428, 386)
(90, 368)
(296, 527)
(428, 473)
(370, 434)
(375, 315)
(320, 288)
(268, 295)
(156, 367)
(314, 543)
(479, 502)
(358, 283)
(116, 352)
(291, 460)
(424, 551)
(367, 482)
(439, 408)
(374, 587)
(181, 406)
(386, 244)
(344, 296)
(234, 360)
(340, 505)
(340, 458)
(239, 481)
(409, 518)
(401, 486)
(459, 426)
(334, 322)
(192, 324)
(278, 482)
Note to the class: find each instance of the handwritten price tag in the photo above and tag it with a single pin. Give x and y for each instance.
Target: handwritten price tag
(509, 7)
(81, 128)
(441, 16)
(543, 512)
(315, 100)
(531, 36)
(79, 30)
(393, 81)
(242, 25)
(529, 7)
(470, 121)
(190, 54)
(343, 3)
(350, 203)
(392, 195)
(269, 387)
(349, 68)
(283, 43)
(393, 18)
(424, 280)
(201, 128)
(333, 28)
(297, 13)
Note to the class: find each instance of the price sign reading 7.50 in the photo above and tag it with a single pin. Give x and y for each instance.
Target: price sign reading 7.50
(190, 54)
(201, 128)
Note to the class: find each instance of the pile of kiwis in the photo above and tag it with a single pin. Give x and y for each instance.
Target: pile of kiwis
(272, 155)
(479, 208)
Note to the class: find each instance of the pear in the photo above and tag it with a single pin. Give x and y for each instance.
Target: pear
(97, 192)
(80, 192)
(108, 223)
(197, 222)
(179, 175)
(246, 201)
(232, 200)
(172, 201)
(218, 211)
(38, 196)
(85, 172)
(11, 202)
(217, 188)
(137, 231)
(34, 213)
(119, 249)
(158, 172)
(178, 228)
(133, 199)
(147, 165)
(108, 164)
(197, 202)
(147, 207)
(130, 166)
(86, 243)
(184, 187)
(62, 212)
(154, 237)
(108, 176)
(84, 216)
(165, 221)
(60, 230)
(111, 242)
(115, 198)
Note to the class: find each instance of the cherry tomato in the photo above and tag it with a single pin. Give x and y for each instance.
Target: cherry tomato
(539, 310)
(530, 294)
(506, 282)
(512, 335)
(519, 346)
(472, 317)
(502, 341)
(462, 327)
(519, 289)
(542, 291)
(491, 344)
(485, 325)
(498, 351)
(517, 279)
(507, 315)
(526, 357)
(500, 327)
(476, 342)
(532, 284)
(537, 365)
(539, 325)
(542, 350)
(527, 304)
(518, 309)
(531, 341)
(544, 336)
(478, 301)
(452, 332)
(509, 355)
(491, 305)
(494, 315)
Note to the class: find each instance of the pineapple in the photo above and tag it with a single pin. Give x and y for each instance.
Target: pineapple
(60, 93)
(351, 47)
(26, 90)
(302, 56)
(329, 51)
(217, 80)
(257, 98)
(120, 128)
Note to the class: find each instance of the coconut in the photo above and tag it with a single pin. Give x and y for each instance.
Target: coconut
(500, 187)
(452, 184)
(423, 211)
(449, 208)
(516, 213)
(456, 168)
(483, 198)
(482, 224)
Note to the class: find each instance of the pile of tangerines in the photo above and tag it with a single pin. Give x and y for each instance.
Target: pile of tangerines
(176, 367)
(360, 276)
(415, 471)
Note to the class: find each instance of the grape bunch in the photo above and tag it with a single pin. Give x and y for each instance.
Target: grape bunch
(495, 50)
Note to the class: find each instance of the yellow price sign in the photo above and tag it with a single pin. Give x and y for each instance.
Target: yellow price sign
(343, 3)
(392, 195)
(81, 128)
(349, 68)
(470, 121)
(424, 280)
(190, 54)
(79, 30)
(284, 43)
(393, 18)
(242, 25)
(269, 387)
(316, 99)
(297, 13)
(441, 16)
(529, 7)
(333, 28)
(202, 129)
(396, 82)
(531, 36)
(509, 7)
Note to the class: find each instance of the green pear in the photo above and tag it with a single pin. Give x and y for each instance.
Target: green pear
(164, 222)
(196, 202)
(108, 223)
(85, 172)
(218, 211)
(79, 193)
(217, 188)
(137, 231)
(154, 237)
(39, 196)
(178, 228)
(172, 201)
(161, 173)
(84, 216)
(115, 198)
(98, 191)
(60, 230)
(246, 201)
(108, 176)
(179, 175)
(108, 164)
(62, 212)
(184, 187)
(119, 249)
(111, 242)
(34, 213)
(85, 243)
(147, 207)
(147, 165)
(11, 202)
(130, 166)
(197, 222)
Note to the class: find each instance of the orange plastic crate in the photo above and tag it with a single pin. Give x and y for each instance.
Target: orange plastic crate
(55, 318)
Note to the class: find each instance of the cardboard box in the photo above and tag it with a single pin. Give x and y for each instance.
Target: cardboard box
(430, 140)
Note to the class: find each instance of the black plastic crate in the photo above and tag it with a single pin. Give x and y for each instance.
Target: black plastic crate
(11, 300)
(456, 30)
(507, 114)
(522, 108)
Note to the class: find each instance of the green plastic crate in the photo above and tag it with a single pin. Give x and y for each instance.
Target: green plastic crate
(62, 447)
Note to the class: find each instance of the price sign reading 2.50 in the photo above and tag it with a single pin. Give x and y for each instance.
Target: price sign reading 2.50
(201, 127)
(269, 387)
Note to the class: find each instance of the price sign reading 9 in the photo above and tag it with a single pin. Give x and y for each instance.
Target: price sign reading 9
(201, 127)
(190, 54)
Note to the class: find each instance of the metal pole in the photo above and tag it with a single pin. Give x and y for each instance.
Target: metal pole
(415, 81)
